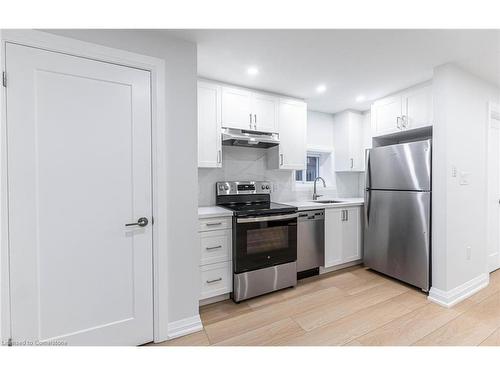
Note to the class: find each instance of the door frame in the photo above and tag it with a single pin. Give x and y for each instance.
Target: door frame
(492, 107)
(156, 67)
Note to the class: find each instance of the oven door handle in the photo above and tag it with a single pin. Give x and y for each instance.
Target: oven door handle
(266, 218)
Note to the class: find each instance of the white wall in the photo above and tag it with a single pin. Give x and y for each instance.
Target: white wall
(459, 211)
(180, 86)
(319, 129)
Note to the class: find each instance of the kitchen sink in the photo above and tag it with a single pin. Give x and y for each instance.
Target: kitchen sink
(327, 201)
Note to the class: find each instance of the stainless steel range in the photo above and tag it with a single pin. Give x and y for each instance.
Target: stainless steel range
(264, 238)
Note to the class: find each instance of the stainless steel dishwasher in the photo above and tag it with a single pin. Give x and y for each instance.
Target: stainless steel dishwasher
(310, 242)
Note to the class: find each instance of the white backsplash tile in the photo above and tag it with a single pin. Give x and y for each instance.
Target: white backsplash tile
(241, 163)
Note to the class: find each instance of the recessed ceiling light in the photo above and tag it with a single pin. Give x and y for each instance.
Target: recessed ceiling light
(360, 98)
(321, 88)
(253, 71)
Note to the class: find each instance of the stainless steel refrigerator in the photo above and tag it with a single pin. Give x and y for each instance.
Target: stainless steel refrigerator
(398, 211)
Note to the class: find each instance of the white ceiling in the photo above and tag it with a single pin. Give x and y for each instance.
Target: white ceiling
(350, 63)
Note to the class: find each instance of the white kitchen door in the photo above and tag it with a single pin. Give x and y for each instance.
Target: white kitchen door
(79, 169)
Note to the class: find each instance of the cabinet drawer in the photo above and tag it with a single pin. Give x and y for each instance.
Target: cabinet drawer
(215, 246)
(216, 279)
(215, 223)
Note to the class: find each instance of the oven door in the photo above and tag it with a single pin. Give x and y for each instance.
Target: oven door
(264, 241)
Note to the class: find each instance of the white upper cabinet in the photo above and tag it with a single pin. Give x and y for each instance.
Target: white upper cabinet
(265, 113)
(209, 125)
(248, 110)
(236, 108)
(417, 108)
(292, 150)
(410, 109)
(348, 140)
(386, 115)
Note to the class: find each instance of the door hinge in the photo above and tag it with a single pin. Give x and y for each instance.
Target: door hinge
(4, 79)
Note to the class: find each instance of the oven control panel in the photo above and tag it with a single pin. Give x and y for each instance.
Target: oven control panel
(242, 187)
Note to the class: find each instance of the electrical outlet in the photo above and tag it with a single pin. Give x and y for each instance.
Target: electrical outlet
(468, 252)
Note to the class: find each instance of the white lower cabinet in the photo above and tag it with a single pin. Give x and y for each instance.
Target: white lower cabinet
(343, 235)
(216, 279)
(215, 246)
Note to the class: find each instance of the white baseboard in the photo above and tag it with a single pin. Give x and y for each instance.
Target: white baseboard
(452, 297)
(208, 301)
(184, 327)
(323, 270)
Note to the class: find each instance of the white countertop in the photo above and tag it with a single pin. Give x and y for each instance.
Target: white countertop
(213, 211)
(309, 205)
(216, 211)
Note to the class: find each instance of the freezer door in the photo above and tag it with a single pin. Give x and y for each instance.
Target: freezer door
(405, 166)
(397, 240)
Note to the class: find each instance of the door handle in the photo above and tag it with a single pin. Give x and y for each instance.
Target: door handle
(142, 222)
(367, 206)
(255, 119)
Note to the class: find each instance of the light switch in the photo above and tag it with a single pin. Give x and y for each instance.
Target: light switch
(464, 178)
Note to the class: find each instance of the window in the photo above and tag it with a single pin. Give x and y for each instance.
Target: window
(312, 171)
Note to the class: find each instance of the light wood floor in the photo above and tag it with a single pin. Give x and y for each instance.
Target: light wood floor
(351, 307)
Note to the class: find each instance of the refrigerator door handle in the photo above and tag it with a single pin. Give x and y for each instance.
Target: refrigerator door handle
(367, 173)
(367, 206)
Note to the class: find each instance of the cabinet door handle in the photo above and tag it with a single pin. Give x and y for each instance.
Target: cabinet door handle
(250, 120)
(212, 224)
(397, 123)
(255, 119)
(404, 120)
(214, 280)
(219, 156)
(352, 163)
(342, 215)
(346, 215)
(213, 247)
(281, 159)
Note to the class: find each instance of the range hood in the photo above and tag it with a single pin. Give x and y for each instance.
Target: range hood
(249, 138)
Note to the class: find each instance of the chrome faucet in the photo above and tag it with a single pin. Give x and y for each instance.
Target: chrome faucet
(316, 196)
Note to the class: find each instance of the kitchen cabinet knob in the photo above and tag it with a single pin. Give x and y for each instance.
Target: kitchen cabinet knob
(213, 247)
(214, 280)
(212, 224)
